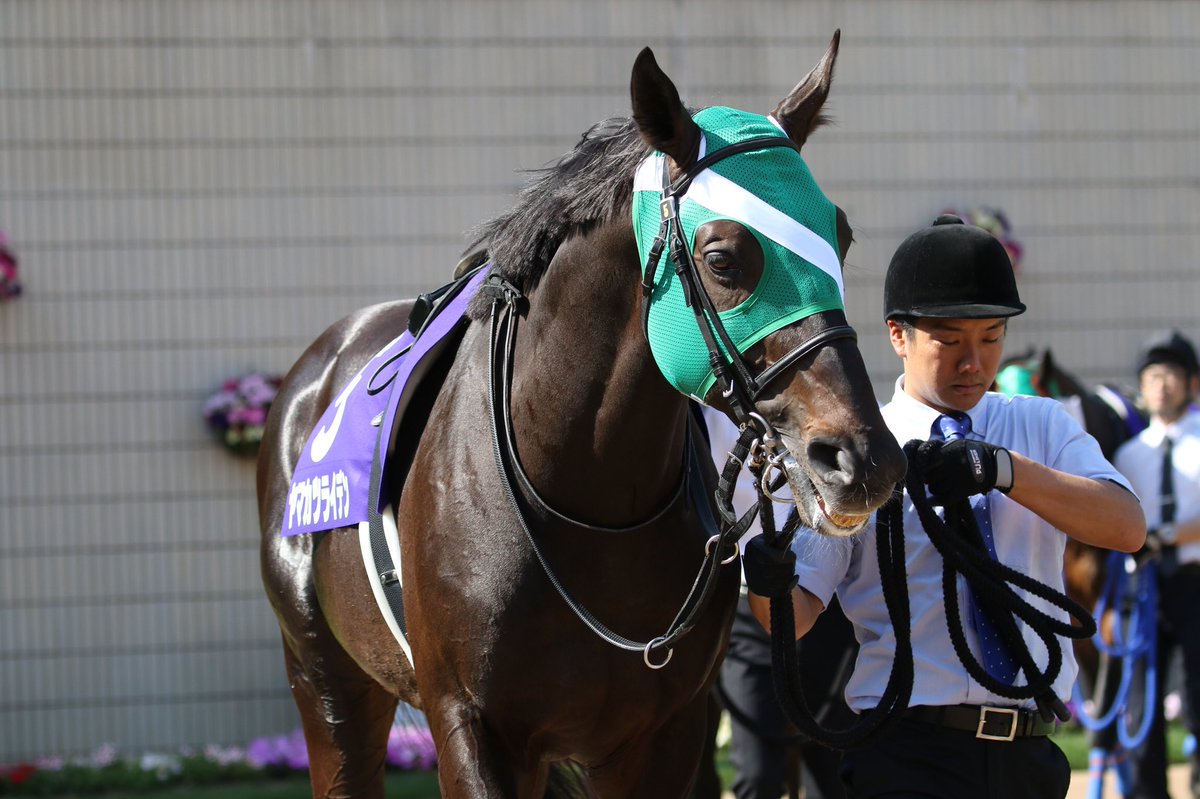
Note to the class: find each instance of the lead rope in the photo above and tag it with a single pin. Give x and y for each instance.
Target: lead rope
(958, 540)
(960, 544)
(889, 539)
(1131, 590)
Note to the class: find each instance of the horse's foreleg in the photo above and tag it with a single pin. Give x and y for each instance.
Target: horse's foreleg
(471, 762)
(663, 765)
(346, 718)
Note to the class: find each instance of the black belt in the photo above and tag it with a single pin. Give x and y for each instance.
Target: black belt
(988, 723)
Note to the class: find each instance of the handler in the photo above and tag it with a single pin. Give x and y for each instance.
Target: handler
(1163, 464)
(948, 295)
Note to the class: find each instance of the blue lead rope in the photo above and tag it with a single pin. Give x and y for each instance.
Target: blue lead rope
(1132, 590)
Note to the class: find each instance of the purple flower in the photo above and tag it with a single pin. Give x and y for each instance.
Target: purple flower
(295, 751)
(219, 404)
(280, 751)
(411, 747)
(264, 752)
(237, 413)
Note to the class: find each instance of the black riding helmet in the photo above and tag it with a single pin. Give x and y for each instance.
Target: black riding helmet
(1168, 347)
(950, 270)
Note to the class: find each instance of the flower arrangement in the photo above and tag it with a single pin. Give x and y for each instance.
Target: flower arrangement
(237, 413)
(994, 221)
(409, 749)
(10, 287)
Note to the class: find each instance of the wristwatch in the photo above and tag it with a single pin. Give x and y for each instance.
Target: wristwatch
(1167, 533)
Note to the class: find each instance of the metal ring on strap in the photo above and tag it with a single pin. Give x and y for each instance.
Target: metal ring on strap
(716, 539)
(646, 654)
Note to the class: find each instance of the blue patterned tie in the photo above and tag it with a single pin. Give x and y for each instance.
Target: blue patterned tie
(996, 659)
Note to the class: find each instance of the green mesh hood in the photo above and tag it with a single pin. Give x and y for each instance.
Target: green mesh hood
(772, 193)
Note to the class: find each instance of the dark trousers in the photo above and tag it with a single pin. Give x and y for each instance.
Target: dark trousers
(1178, 628)
(765, 750)
(914, 759)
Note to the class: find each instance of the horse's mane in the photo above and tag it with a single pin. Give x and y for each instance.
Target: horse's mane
(588, 186)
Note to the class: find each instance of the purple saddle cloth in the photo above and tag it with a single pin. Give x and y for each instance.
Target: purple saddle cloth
(332, 481)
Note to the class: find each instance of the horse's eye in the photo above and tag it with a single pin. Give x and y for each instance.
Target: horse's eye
(719, 261)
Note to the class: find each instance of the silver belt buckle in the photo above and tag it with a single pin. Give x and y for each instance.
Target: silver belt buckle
(1011, 712)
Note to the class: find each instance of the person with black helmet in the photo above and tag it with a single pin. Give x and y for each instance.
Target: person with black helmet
(1033, 475)
(1163, 465)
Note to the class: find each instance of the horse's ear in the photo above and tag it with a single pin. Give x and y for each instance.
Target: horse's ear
(1045, 372)
(800, 112)
(660, 115)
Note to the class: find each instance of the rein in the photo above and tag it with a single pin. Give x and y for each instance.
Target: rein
(889, 541)
(961, 546)
(734, 378)
(506, 299)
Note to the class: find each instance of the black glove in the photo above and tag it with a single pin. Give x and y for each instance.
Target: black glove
(770, 571)
(1151, 549)
(955, 470)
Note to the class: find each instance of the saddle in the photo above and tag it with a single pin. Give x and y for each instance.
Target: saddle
(332, 482)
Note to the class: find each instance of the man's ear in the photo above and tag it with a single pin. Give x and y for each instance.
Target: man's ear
(899, 339)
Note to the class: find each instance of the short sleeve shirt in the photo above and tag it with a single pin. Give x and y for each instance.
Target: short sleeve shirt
(1141, 459)
(1036, 427)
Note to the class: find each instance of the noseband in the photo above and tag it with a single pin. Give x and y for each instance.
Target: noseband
(738, 385)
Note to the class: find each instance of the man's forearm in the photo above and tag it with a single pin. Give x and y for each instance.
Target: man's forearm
(805, 606)
(1094, 512)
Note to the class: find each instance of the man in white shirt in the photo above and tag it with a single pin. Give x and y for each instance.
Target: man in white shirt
(948, 295)
(1163, 466)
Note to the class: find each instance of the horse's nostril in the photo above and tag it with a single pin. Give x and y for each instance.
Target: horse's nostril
(831, 461)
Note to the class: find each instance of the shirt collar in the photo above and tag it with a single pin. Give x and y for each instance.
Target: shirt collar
(911, 418)
(1156, 431)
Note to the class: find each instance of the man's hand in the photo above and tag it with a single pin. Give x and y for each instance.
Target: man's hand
(956, 470)
(770, 571)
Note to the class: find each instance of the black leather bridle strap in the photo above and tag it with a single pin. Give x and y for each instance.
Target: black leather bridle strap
(807, 348)
(734, 378)
(504, 316)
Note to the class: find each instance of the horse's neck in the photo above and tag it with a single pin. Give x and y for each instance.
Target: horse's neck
(598, 429)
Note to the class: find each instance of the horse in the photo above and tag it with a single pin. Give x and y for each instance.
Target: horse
(502, 579)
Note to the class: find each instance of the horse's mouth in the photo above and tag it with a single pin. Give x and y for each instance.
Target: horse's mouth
(838, 524)
(812, 508)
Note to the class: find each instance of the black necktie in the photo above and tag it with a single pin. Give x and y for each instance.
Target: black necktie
(1170, 557)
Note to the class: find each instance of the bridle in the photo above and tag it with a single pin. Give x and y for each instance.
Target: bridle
(758, 443)
(738, 385)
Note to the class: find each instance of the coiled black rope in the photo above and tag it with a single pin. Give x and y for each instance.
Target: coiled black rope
(958, 540)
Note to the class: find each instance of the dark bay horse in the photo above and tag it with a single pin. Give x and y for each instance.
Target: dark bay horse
(512, 682)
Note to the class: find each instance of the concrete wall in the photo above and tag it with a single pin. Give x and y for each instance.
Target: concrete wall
(198, 188)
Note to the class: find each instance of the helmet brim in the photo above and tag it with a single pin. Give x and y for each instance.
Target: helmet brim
(963, 311)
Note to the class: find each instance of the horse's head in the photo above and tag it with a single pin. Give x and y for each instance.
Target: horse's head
(1108, 415)
(745, 306)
